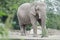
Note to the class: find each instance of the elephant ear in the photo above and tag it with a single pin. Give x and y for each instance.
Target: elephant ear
(32, 10)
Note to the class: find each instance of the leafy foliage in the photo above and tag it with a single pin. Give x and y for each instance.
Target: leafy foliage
(8, 10)
(53, 14)
(53, 21)
(3, 30)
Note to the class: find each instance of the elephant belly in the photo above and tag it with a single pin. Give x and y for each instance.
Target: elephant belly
(25, 20)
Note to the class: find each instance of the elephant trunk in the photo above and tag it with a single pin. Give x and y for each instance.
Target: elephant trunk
(39, 16)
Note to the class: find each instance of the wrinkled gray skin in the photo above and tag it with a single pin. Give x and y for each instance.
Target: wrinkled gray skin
(30, 13)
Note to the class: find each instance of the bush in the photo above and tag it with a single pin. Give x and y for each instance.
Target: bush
(53, 21)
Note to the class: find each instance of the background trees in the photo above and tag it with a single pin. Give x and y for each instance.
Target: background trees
(53, 14)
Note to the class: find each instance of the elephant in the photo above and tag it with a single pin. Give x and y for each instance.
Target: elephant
(31, 13)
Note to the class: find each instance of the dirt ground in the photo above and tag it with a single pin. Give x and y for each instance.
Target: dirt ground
(52, 34)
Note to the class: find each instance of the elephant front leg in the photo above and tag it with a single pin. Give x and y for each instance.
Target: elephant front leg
(34, 25)
(34, 30)
(43, 24)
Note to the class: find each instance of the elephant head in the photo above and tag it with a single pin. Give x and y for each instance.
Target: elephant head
(38, 8)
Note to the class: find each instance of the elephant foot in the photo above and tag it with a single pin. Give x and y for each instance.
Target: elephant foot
(34, 35)
(44, 36)
(23, 34)
(44, 33)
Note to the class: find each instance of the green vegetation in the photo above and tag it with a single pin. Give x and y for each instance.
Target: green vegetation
(53, 21)
(8, 18)
(53, 14)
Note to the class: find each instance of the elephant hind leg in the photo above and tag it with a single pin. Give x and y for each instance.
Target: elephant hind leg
(23, 30)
